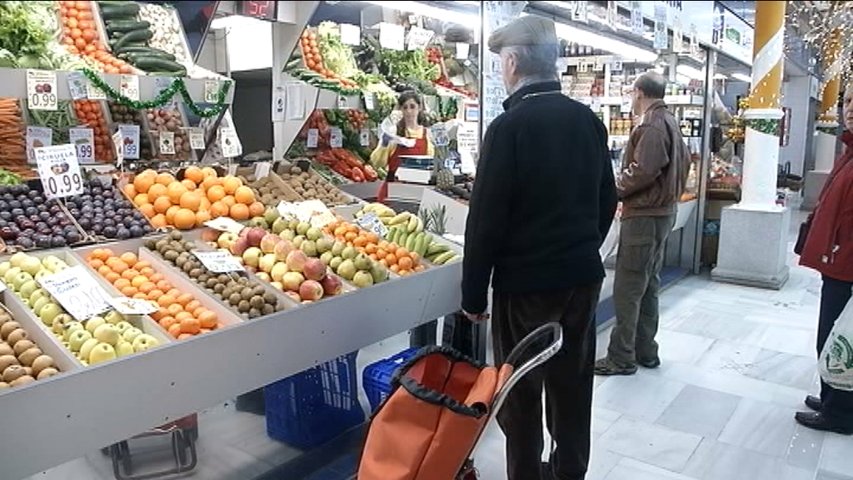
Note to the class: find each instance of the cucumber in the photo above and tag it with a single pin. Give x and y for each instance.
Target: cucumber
(134, 36)
(138, 49)
(158, 64)
(111, 10)
(118, 26)
(132, 56)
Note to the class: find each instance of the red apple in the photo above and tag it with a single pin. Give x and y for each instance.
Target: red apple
(239, 246)
(282, 248)
(255, 235)
(311, 290)
(294, 296)
(291, 281)
(314, 269)
(331, 285)
(269, 242)
(296, 261)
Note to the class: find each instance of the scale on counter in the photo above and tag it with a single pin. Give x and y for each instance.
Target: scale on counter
(415, 169)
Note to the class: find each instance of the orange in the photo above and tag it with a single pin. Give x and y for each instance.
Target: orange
(184, 219)
(119, 267)
(215, 193)
(185, 336)
(239, 212)
(231, 184)
(112, 277)
(129, 190)
(167, 322)
(128, 258)
(190, 325)
(147, 210)
(201, 217)
(174, 293)
(256, 209)
(192, 306)
(210, 182)
(140, 296)
(175, 330)
(147, 271)
(121, 283)
(148, 173)
(147, 287)
(207, 319)
(194, 174)
(165, 178)
(205, 203)
(140, 264)
(244, 195)
(189, 184)
(229, 201)
(219, 209)
(184, 299)
(141, 199)
(142, 183)
(156, 277)
(405, 263)
(95, 263)
(164, 285)
(391, 259)
(161, 204)
(155, 294)
(183, 315)
(139, 281)
(159, 314)
(209, 172)
(170, 214)
(395, 268)
(105, 269)
(191, 201)
(156, 191)
(402, 252)
(129, 274)
(129, 291)
(158, 221)
(176, 190)
(175, 309)
(166, 300)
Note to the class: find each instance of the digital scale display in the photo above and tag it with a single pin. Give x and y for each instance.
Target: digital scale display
(261, 10)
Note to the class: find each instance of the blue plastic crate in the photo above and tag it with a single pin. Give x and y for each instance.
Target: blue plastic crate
(377, 376)
(312, 407)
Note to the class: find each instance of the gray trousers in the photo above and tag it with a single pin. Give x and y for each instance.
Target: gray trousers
(636, 288)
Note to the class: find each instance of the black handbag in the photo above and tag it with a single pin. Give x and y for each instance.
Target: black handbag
(803, 235)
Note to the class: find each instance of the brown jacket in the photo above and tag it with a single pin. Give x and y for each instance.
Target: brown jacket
(655, 167)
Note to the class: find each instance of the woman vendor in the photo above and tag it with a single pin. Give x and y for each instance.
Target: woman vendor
(413, 140)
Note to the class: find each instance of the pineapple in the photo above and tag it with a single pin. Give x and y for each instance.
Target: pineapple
(444, 179)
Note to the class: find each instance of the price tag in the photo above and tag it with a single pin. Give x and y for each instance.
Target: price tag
(637, 26)
(371, 223)
(419, 38)
(129, 141)
(342, 102)
(77, 292)
(598, 65)
(132, 306)
(84, 140)
(392, 36)
(167, 142)
(129, 86)
(77, 85)
(218, 261)
(229, 142)
(41, 90)
(369, 101)
(262, 169)
(161, 83)
(37, 137)
(93, 92)
(59, 170)
(117, 143)
(197, 138)
(225, 224)
(580, 13)
(616, 66)
(462, 50)
(313, 138)
(336, 137)
(350, 34)
(211, 91)
(364, 137)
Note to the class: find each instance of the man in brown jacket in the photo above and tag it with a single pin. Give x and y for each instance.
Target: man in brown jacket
(652, 180)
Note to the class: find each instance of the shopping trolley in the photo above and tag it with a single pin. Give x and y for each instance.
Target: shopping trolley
(426, 433)
(183, 433)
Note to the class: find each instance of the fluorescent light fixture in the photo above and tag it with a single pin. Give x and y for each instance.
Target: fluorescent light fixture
(690, 72)
(720, 76)
(742, 77)
(617, 47)
(465, 19)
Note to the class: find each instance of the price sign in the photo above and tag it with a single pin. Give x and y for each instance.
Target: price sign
(637, 26)
(598, 65)
(218, 261)
(371, 223)
(167, 142)
(392, 36)
(41, 90)
(342, 102)
(129, 141)
(118, 144)
(313, 138)
(132, 306)
(93, 92)
(364, 137)
(37, 137)
(161, 83)
(369, 101)
(211, 91)
(350, 34)
(77, 85)
(129, 86)
(59, 170)
(84, 140)
(336, 138)
(262, 169)
(197, 138)
(661, 41)
(462, 50)
(229, 142)
(419, 38)
(225, 224)
(77, 292)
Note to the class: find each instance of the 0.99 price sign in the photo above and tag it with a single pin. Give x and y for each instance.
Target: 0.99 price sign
(59, 170)
(41, 90)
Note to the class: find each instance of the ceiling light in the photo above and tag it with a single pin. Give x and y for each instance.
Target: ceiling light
(690, 72)
(720, 76)
(617, 47)
(742, 77)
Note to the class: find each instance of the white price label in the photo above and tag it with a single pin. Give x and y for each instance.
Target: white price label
(661, 41)
(129, 87)
(161, 83)
(462, 50)
(59, 170)
(598, 65)
(84, 140)
(369, 101)
(419, 38)
(371, 223)
(132, 306)
(342, 102)
(211, 91)
(77, 292)
(197, 138)
(218, 261)
(229, 142)
(336, 137)
(93, 92)
(616, 66)
(225, 224)
(364, 137)
(77, 85)
(583, 67)
(129, 141)
(637, 27)
(307, 211)
(313, 138)
(627, 105)
(37, 137)
(167, 142)
(580, 12)
(41, 90)
(392, 37)
(117, 143)
(350, 34)
(262, 169)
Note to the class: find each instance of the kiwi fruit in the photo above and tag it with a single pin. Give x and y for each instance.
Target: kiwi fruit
(247, 293)
(235, 299)
(270, 297)
(218, 288)
(46, 373)
(8, 328)
(5, 318)
(223, 278)
(254, 313)
(13, 372)
(171, 255)
(176, 235)
(268, 309)
(23, 345)
(6, 349)
(257, 302)
(27, 358)
(258, 290)
(17, 335)
(41, 363)
(21, 381)
(7, 361)
(243, 306)
(196, 272)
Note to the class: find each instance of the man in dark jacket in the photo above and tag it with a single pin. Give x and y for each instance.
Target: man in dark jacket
(542, 204)
(652, 180)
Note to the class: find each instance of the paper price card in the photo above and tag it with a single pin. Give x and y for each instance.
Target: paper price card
(161, 83)
(132, 306)
(93, 92)
(37, 137)
(59, 170)
(197, 138)
(350, 34)
(371, 223)
(313, 138)
(77, 86)
(637, 26)
(129, 86)
(218, 261)
(167, 142)
(77, 292)
(211, 91)
(336, 138)
(41, 90)
(580, 12)
(225, 224)
(364, 137)
(392, 36)
(129, 141)
(462, 51)
(419, 38)
(117, 143)
(230, 143)
(84, 140)
(369, 101)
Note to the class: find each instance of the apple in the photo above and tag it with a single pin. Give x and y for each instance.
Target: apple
(264, 276)
(53, 263)
(346, 269)
(269, 242)
(18, 259)
(20, 279)
(296, 261)
(282, 248)
(39, 293)
(93, 323)
(144, 342)
(49, 313)
(11, 274)
(226, 240)
(239, 246)
(87, 348)
(292, 280)
(267, 262)
(70, 328)
(349, 253)
(378, 272)
(31, 265)
(278, 271)
(255, 235)
(332, 285)
(324, 245)
(277, 285)
(252, 256)
(314, 269)
(313, 234)
(309, 247)
(310, 290)
(39, 304)
(279, 225)
(302, 228)
(102, 352)
(362, 262)
(114, 317)
(294, 296)
(362, 279)
(131, 333)
(335, 263)
(293, 223)
(77, 339)
(4, 267)
(42, 274)
(338, 248)
(108, 333)
(288, 235)
(124, 349)
(123, 326)
(58, 326)
(326, 258)
(27, 289)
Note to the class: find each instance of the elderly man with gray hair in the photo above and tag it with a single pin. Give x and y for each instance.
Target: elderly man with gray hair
(543, 201)
(654, 173)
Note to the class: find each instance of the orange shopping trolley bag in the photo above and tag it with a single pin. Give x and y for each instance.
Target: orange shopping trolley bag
(440, 404)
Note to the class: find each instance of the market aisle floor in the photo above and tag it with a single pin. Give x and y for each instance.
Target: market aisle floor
(737, 363)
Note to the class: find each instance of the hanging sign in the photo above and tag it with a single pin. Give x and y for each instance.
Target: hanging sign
(84, 140)
(419, 38)
(392, 37)
(41, 90)
(77, 292)
(230, 142)
(462, 50)
(580, 12)
(661, 41)
(369, 101)
(612, 15)
(129, 87)
(59, 170)
(37, 137)
(364, 137)
(637, 27)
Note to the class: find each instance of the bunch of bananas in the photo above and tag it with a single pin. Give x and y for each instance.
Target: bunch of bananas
(407, 230)
(406, 221)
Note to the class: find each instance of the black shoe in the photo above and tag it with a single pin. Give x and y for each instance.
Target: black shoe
(653, 363)
(818, 421)
(813, 402)
(607, 367)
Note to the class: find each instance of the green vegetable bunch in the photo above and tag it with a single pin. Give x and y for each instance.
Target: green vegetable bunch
(23, 29)
(9, 178)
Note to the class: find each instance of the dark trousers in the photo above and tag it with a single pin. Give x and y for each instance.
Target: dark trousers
(567, 378)
(837, 405)
(636, 287)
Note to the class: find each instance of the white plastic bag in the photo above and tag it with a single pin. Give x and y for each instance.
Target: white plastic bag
(611, 241)
(836, 360)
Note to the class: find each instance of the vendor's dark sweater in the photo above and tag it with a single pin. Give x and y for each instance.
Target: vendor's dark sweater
(543, 199)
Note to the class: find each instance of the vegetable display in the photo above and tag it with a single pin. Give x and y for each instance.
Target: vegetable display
(312, 66)
(166, 31)
(13, 149)
(129, 39)
(25, 33)
(347, 164)
(81, 37)
(59, 120)
(89, 113)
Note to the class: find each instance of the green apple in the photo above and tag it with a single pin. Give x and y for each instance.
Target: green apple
(4, 267)
(20, 279)
(31, 265)
(287, 235)
(87, 348)
(77, 339)
(362, 279)
(123, 326)
(49, 313)
(335, 263)
(70, 328)
(39, 293)
(43, 273)
(11, 274)
(302, 228)
(94, 323)
(27, 289)
(278, 271)
(114, 317)
(101, 353)
(51, 261)
(338, 248)
(18, 259)
(39, 304)
(349, 253)
(326, 258)
(108, 333)
(279, 225)
(144, 342)
(297, 241)
(124, 349)
(64, 318)
(131, 333)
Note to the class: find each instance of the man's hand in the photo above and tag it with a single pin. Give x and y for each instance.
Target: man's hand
(476, 317)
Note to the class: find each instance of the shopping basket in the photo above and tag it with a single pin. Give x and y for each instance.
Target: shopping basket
(441, 402)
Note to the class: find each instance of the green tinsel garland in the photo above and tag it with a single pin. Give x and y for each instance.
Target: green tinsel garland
(828, 130)
(763, 125)
(164, 97)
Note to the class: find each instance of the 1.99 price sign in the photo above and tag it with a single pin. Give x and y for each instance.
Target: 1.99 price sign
(41, 90)
(59, 170)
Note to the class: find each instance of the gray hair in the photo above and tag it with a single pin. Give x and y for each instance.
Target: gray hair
(538, 61)
(652, 84)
